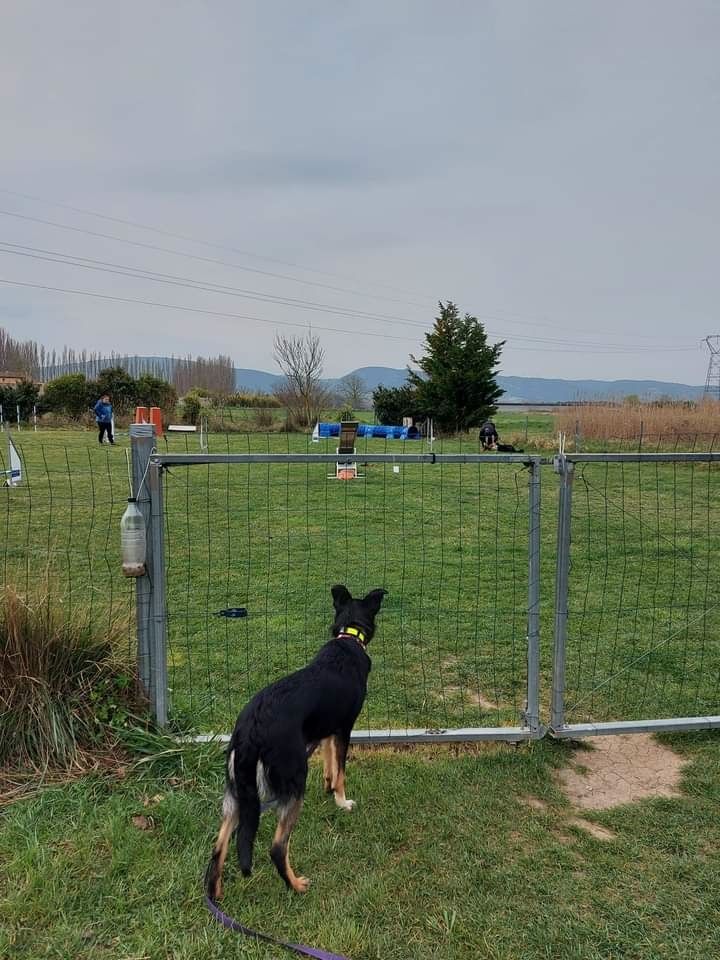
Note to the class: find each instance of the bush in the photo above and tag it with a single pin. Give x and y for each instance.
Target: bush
(62, 421)
(26, 394)
(303, 409)
(152, 391)
(393, 403)
(262, 419)
(68, 395)
(116, 381)
(63, 685)
(249, 399)
(192, 405)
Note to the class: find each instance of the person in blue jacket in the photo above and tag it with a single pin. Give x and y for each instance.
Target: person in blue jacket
(103, 417)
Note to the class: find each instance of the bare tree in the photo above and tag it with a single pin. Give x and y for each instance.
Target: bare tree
(209, 373)
(301, 360)
(19, 356)
(353, 392)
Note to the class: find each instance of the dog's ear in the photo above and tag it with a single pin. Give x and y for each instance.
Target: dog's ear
(341, 596)
(373, 600)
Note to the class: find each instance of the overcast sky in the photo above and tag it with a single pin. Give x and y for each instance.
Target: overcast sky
(552, 167)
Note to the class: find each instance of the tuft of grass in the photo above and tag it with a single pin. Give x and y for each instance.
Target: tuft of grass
(64, 685)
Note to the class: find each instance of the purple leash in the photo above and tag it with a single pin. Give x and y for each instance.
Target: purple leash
(231, 924)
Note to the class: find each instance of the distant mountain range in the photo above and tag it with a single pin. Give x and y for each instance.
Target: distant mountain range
(519, 389)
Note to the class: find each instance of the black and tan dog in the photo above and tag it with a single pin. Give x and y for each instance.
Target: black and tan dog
(267, 758)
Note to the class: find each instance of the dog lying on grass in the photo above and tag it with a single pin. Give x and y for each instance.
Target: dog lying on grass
(278, 730)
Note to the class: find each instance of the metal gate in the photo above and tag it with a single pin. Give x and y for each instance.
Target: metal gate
(245, 546)
(637, 594)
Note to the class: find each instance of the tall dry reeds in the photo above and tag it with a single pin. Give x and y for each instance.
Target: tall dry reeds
(672, 422)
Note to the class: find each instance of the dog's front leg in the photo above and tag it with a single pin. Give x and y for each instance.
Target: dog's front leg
(340, 745)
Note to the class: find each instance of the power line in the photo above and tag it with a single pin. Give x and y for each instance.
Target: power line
(220, 246)
(189, 283)
(187, 309)
(485, 318)
(283, 323)
(52, 256)
(56, 256)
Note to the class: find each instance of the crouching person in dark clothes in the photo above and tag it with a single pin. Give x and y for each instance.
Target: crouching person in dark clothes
(488, 435)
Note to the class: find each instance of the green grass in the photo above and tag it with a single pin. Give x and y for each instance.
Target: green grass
(441, 859)
(448, 542)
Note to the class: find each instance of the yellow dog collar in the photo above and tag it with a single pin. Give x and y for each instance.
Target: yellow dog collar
(353, 632)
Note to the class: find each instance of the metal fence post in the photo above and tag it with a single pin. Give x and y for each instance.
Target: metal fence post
(562, 570)
(532, 712)
(142, 441)
(156, 572)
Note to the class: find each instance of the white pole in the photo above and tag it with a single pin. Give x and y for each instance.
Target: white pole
(35, 416)
(17, 408)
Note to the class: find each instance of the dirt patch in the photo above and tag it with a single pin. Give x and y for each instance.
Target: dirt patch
(471, 696)
(142, 822)
(622, 769)
(450, 664)
(594, 829)
(480, 701)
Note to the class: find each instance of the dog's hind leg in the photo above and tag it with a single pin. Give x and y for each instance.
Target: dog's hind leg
(279, 852)
(247, 783)
(340, 745)
(213, 877)
(329, 762)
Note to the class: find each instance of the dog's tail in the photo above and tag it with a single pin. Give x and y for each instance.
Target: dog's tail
(241, 812)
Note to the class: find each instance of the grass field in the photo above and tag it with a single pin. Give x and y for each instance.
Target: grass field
(442, 860)
(448, 542)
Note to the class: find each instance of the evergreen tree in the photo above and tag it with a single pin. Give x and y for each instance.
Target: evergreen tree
(457, 386)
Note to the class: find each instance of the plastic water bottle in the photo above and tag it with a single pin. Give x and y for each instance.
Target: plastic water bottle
(132, 540)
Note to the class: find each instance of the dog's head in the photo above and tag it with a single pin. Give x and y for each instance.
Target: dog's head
(360, 613)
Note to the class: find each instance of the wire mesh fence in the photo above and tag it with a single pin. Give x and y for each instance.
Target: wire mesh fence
(448, 541)
(643, 601)
(647, 441)
(59, 527)
(252, 549)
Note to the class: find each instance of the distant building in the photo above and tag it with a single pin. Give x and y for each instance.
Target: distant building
(8, 379)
